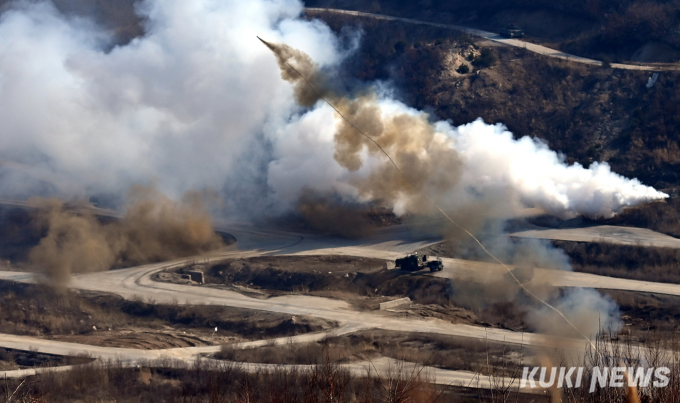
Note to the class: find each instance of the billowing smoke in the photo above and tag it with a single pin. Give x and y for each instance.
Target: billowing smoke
(480, 157)
(154, 228)
(475, 169)
(197, 102)
(587, 309)
(430, 162)
(72, 244)
(454, 165)
(330, 216)
(189, 105)
(541, 178)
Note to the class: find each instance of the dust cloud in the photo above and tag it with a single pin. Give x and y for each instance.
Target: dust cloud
(73, 243)
(333, 217)
(154, 228)
(481, 176)
(458, 167)
(588, 310)
(430, 162)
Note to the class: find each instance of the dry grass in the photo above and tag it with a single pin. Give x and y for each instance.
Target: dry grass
(648, 318)
(327, 381)
(662, 217)
(433, 350)
(38, 310)
(168, 381)
(589, 114)
(364, 282)
(632, 262)
(11, 359)
(621, 352)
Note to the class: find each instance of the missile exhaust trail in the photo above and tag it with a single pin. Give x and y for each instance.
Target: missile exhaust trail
(432, 202)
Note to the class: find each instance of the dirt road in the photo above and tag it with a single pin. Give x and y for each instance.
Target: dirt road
(134, 357)
(604, 233)
(481, 271)
(136, 282)
(542, 50)
(388, 243)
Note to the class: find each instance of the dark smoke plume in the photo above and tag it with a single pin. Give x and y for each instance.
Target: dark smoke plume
(333, 217)
(154, 228)
(427, 160)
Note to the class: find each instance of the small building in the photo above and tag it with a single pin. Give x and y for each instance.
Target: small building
(197, 276)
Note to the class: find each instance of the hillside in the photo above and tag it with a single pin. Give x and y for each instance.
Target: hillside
(624, 30)
(588, 113)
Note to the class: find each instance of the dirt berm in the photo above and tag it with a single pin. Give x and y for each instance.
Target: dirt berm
(362, 282)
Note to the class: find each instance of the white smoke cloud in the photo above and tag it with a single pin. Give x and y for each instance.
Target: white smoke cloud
(198, 102)
(586, 309)
(523, 172)
(540, 176)
(177, 106)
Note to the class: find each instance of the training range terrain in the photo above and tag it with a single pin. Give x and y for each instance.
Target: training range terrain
(518, 43)
(388, 244)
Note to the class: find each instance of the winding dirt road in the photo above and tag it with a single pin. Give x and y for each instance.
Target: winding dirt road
(136, 282)
(542, 50)
(388, 244)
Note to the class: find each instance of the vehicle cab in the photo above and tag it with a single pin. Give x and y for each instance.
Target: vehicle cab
(512, 31)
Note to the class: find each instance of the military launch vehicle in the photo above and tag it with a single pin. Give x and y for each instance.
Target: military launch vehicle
(415, 262)
(512, 31)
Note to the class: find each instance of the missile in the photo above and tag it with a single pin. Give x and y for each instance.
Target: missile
(265, 43)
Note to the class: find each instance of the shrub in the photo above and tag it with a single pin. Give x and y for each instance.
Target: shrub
(486, 59)
(463, 69)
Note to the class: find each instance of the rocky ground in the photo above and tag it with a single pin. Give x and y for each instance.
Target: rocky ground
(362, 282)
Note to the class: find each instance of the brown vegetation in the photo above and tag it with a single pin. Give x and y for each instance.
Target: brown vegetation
(365, 283)
(360, 276)
(107, 319)
(662, 216)
(647, 318)
(590, 114)
(11, 359)
(203, 381)
(622, 261)
(594, 28)
(328, 381)
(432, 350)
(625, 352)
